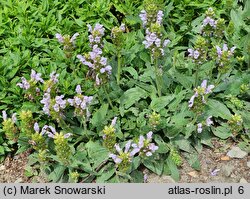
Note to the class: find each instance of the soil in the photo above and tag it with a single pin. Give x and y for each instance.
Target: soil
(216, 167)
(12, 169)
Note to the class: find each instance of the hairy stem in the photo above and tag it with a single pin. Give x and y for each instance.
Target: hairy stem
(196, 77)
(157, 78)
(108, 98)
(119, 67)
(218, 79)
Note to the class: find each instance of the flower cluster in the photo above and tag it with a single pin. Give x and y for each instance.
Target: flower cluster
(208, 122)
(151, 14)
(198, 100)
(109, 137)
(235, 101)
(62, 147)
(37, 139)
(26, 123)
(9, 127)
(175, 156)
(154, 119)
(116, 35)
(144, 146)
(49, 85)
(24, 84)
(223, 57)
(152, 21)
(68, 43)
(34, 78)
(31, 84)
(60, 103)
(124, 158)
(74, 176)
(43, 156)
(52, 106)
(99, 68)
(235, 124)
(80, 103)
(46, 102)
(211, 27)
(154, 43)
(96, 34)
(199, 53)
(244, 88)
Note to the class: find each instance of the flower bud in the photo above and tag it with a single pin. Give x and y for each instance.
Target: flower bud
(175, 156)
(74, 176)
(236, 124)
(27, 123)
(63, 150)
(9, 127)
(154, 119)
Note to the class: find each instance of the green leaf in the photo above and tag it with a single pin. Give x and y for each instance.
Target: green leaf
(183, 79)
(161, 102)
(206, 138)
(57, 174)
(131, 71)
(132, 95)
(154, 166)
(183, 144)
(173, 168)
(2, 150)
(217, 109)
(190, 128)
(137, 176)
(29, 171)
(30, 106)
(193, 160)
(105, 174)
(246, 119)
(99, 116)
(222, 132)
(163, 147)
(22, 149)
(32, 159)
(136, 162)
(97, 153)
(236, 18)
(176, 103)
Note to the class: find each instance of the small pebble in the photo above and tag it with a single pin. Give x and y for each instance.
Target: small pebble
(236, 152)
(2, 167)
(243, 180)
(19, 180)
(227, 170)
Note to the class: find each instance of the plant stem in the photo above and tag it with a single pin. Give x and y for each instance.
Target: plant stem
(218, 79)
(119, 67)
(157, 78)
(196, 77)
(84, 123)
(63, 125)
(106, 93)
(99, 97)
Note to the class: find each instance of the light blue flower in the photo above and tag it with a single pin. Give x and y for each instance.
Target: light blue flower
(4, 115)
(36, 127)
(78, 89)
(199, 127)
(209, 122)
(36, 76)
